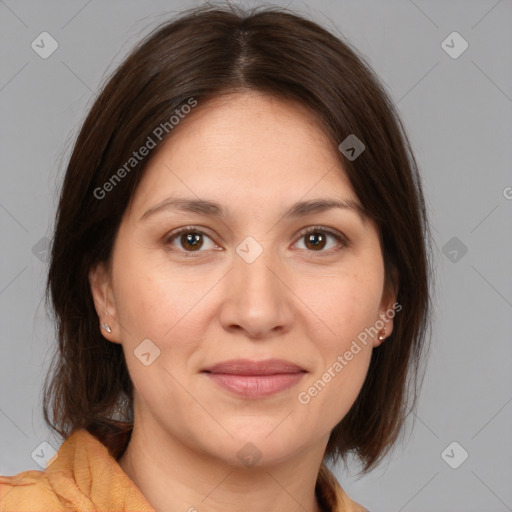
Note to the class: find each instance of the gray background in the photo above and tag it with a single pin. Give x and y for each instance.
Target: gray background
(458, 114)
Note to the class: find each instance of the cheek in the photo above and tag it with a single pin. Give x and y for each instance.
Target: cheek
(345, 304)
(155, 302)
(149, 298)
(331, 390)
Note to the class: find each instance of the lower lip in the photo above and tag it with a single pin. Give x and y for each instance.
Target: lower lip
(256, 386)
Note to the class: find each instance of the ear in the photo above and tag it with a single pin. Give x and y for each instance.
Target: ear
(389, 307)
(104, 302)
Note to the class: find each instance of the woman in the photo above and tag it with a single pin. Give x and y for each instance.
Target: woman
(239, 273)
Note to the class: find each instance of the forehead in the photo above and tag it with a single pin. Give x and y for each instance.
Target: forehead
(249, 147)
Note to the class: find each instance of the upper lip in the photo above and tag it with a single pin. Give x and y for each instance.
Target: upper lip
(250, 367)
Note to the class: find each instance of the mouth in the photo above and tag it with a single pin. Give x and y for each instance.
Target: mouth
(255, 379)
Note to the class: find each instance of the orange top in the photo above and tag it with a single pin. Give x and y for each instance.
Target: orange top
(85, 477)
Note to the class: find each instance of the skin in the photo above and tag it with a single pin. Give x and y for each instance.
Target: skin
(256, 155)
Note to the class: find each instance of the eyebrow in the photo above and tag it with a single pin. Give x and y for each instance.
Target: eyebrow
(214, 209)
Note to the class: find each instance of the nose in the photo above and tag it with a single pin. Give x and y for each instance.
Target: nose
(256, 299)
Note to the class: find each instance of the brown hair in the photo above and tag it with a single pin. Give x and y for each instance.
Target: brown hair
(205, 53)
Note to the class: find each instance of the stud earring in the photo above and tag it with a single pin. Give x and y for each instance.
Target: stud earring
(107, 327)
(382, 336)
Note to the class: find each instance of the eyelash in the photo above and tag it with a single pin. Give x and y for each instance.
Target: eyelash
(341, 239)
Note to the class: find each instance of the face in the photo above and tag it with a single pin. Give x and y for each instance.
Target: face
(253, 279)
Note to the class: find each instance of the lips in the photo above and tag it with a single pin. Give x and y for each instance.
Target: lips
(249, 367)
(255, 379)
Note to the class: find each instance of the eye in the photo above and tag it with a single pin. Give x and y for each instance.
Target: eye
(190, 238)
(316, 238)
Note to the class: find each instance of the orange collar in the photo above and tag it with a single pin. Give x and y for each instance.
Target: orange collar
(85, 476)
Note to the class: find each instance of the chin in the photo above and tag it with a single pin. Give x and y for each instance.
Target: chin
(257, 442)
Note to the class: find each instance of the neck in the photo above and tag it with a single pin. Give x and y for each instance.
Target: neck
(173, 476)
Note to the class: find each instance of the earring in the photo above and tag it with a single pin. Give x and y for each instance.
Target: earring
(107, 327)
(382, 336)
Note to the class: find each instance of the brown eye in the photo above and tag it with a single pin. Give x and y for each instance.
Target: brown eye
(317, 238)
(189, 239)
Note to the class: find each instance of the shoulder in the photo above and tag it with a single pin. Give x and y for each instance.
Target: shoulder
(81, 476)
(28, 490)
